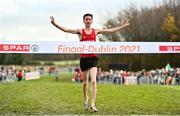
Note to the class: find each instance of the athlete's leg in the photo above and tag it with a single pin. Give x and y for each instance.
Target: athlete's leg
(85, 82)
(93, 74)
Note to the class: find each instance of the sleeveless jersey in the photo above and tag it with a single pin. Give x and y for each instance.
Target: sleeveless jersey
(88, 38)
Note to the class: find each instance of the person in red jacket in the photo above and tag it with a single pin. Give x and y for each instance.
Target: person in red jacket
(78, 75)
(88, 62)
(20, 75)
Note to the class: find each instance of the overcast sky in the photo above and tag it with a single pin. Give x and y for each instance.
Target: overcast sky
(29, 19)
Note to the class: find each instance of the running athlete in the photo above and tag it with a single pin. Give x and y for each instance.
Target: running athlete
(88, 62)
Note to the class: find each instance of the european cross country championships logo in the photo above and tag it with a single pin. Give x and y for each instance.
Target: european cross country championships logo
(34, 48)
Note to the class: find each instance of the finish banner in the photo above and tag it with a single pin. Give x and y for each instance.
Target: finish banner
(73, 47)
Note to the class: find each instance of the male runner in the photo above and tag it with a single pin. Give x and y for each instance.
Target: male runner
(88, 62)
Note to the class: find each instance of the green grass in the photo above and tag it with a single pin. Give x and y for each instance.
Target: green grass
(49, 97)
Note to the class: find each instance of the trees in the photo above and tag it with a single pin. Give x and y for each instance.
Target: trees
(170, 28)
(12, 59)
(160, 23)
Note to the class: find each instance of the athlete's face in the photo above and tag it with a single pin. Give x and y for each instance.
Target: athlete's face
(88, 21)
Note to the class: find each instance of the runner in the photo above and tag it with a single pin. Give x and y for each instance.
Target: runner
(88, 62)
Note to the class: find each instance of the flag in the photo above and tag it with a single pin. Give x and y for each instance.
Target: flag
(168, 68)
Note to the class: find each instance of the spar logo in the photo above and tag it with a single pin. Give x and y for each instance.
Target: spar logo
(15, 47)
(169, 48)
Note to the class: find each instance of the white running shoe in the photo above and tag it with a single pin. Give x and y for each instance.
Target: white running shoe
(93, 109)
(86, 105)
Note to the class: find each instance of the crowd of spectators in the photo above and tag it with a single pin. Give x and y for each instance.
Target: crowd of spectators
(157, 77)
(161, 76)
(11, 73)
(15, 73)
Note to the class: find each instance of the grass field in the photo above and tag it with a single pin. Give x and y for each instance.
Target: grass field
(49, 97)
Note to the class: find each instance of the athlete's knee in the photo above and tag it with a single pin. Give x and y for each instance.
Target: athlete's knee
(93, 82)
(85, 82)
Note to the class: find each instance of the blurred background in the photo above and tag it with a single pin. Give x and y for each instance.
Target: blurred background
(151, 21)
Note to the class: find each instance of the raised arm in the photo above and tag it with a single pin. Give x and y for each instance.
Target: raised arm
(112, 30)
(73, 31)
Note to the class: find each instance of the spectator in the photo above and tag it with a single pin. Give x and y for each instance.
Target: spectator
(2, 74)
(20, 75)
(78, 75)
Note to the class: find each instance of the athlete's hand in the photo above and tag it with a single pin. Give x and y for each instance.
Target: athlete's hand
(53, 21)
(126, 23)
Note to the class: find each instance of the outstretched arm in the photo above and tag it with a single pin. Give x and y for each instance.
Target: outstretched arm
(73, 31)
(112, 30)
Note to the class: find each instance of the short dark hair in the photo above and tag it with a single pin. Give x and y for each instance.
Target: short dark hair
(88, 14)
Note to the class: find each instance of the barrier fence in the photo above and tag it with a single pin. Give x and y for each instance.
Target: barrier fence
(135, 80)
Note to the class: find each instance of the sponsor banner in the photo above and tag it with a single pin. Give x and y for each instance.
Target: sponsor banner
(74, 47)
(15, 47)
(169, 48)
(130, 80)
(32, 75)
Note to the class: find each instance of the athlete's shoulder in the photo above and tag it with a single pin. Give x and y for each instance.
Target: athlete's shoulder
(96, 30)
(79, 31)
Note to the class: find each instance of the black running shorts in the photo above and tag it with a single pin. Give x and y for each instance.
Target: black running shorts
(88, 62)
